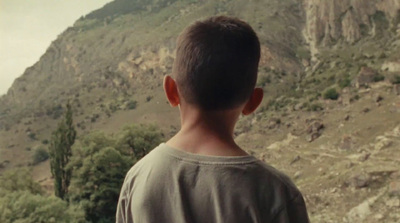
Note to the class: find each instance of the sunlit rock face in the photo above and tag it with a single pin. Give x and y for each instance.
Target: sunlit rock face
(328, 20)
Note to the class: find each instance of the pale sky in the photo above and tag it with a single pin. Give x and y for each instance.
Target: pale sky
(27, 27)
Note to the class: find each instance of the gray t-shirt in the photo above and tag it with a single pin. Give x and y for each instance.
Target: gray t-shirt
(173, 186)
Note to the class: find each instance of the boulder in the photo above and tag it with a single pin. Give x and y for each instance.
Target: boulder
(359, 180)
(314, 130)
(391, 66)
(394, 188)
(396, 89)
(365, 76)
(274, 122)
(346, 143)
(382, 142)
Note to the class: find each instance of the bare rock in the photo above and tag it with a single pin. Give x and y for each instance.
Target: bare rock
(396, 89)
(298, 106)
(395, 175)
(297, 175)
(394, 188)
(378, 216)
(361, 211)
(391, 66)
(378, 98)
(363, 157)
(295, 159)
(359, 180)
(314, 130)
(351, 30)
(274, 122)
(393, 203)
(366, 110)
(349, 165)
(382, 143)
(313, 136)
(315, 127)
(346, 143)
(395, 132)
(365, 77)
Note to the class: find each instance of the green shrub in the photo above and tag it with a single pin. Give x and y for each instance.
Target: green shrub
(32, 135)
(55, 112)
(94, 118)
(315, 107)
(40, 155)
(355, 98)
(45, 141)
(263, 81)
(113, 107)
(382, 55)
(331, 94)
(378, 78)
(344, 82)
(131, 104)
(395, 79)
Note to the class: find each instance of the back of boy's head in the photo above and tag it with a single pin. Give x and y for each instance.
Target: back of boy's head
(216, 63)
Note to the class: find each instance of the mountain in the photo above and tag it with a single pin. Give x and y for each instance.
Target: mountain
(111, 62)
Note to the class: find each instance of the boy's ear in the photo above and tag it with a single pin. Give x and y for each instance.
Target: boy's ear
(254, 101)
(171, 91)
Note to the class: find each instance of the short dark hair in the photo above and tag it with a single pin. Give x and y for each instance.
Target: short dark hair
(216, 63)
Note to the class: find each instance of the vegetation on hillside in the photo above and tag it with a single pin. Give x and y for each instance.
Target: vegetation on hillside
(22, 200)
(98, 165)
(60, 153)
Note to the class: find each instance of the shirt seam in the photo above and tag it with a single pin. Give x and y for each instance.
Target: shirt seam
(212, 162)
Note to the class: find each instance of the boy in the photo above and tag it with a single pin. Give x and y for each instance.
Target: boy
(200, 174)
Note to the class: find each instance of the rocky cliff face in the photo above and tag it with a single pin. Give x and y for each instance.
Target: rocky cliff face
(329, 21)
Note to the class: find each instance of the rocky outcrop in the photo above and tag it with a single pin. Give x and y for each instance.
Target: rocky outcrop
(391, 66)
(147, 65)
(366, 75)
(328, 20)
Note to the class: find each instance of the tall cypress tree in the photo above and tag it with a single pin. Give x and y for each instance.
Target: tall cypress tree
(62, 140)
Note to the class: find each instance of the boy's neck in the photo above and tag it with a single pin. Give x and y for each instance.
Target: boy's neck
(207, 133)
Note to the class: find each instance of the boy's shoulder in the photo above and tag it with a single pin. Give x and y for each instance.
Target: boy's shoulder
(247, 179)
(164, 159)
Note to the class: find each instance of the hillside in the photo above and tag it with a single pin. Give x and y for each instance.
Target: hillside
(343, 153)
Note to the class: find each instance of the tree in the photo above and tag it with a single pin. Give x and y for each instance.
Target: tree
(100, 163)
(22, 200)
(138, 140)
(19, 180)
(62, 140)
(97, 182)
(24, 207)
